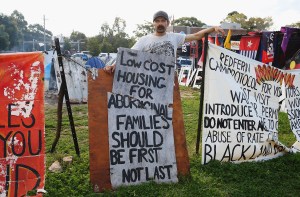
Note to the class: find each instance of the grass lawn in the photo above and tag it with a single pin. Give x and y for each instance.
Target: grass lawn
(276, 177)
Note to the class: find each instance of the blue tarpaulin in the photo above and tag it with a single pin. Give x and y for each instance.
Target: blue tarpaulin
(95, 62)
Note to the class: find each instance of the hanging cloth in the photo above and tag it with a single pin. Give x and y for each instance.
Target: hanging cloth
(249, 46)
(287, 33)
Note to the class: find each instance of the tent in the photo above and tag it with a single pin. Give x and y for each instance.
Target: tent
(94, 62)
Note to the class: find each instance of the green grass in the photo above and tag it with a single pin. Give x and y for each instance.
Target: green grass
(276, 177)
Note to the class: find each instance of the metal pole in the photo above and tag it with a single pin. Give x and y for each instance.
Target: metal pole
(65, 92)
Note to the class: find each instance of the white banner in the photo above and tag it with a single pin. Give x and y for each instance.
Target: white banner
(241, 105)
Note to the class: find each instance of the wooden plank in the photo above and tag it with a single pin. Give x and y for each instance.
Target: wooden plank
(98, 130)
(182, 157)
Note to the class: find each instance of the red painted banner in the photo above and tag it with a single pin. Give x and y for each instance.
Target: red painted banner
(22, 123)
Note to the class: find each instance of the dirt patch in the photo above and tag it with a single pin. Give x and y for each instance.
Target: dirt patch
(51, 97)
(188, 92)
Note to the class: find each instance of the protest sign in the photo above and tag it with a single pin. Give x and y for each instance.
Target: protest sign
(241, 104)
(135, 123)
(22, 139)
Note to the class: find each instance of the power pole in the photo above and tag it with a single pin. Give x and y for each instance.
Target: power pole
(78, 46)
(44, 33)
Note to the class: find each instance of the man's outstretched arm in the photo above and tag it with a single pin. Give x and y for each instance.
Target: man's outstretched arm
(200, 34)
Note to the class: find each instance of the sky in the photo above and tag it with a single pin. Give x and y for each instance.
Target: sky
(62, 17)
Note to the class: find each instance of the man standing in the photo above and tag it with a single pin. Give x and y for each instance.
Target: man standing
(166, 43)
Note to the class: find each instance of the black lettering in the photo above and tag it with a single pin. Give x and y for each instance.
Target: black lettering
(39, 148)
(116, 156)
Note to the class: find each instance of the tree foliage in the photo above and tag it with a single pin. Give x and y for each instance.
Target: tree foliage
(22, 26)
(10, 29)
(143, 29)
(235, 17)
(21, 35)
(297, 24)
(67, 44)
(251, 24)
(105, 30)
(4, 38)
(79, 40)
(188, 21)
(119, 25)
(93, 45)
(110, 38)
(258, 23)
(147, 27)
(17, 34)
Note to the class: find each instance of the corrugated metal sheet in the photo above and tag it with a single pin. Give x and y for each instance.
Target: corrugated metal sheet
(76, 78)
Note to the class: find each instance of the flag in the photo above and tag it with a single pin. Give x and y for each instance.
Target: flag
(217, 42)
(200, 62)
(288, 31)
(227, 44)
(249, 46)
(294, 62)
(194, 49)
(267, 46)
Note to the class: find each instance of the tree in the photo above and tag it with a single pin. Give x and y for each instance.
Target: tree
(10, 29)
(253, 24)
(297, 24)
(106, 46)
(80, 39)
(143, 29)
(36, 34)
(4, 38)
(111, 38)
(93, 46)
(20, 33)
(105, 30)
(235, 17)
(119, 25)
(67, 44)
(19, 19)
(123, 40)
(21, 24)
(188, 21)
(258, 23)
(147, 27)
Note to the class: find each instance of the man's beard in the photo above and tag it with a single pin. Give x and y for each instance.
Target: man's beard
(160, 29)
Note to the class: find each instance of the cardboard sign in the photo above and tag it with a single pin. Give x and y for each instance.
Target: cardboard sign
(76, 78)
(22, 139)
(140, 119)
(292, 103)
(138, 135)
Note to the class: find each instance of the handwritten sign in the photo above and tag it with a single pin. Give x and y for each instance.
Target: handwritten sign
(22, 143)
(241, 104)
(292, 103)
(141, 141)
